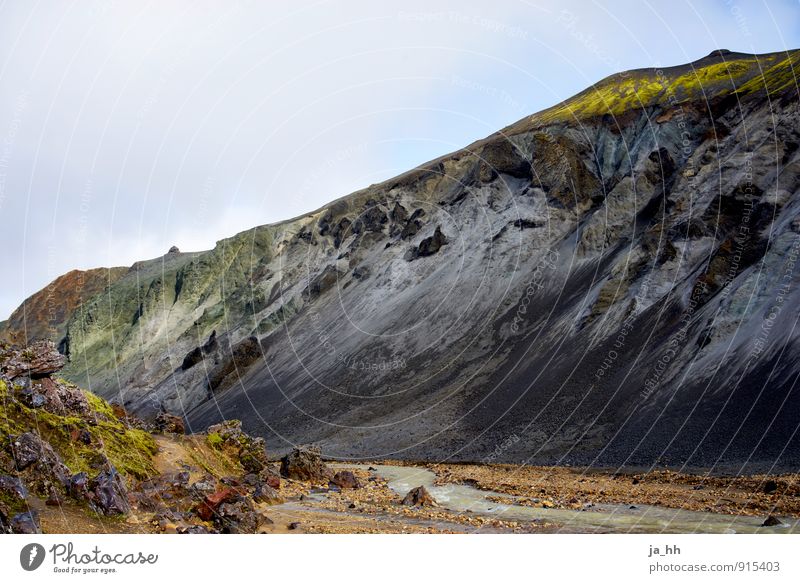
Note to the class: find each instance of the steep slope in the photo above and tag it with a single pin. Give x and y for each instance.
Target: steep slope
(610, 281)
(45, 314)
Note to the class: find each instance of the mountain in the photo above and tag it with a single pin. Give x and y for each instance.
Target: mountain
(44, 315)
(612, 281)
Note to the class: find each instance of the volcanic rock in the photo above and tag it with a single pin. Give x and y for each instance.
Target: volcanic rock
(419, 496)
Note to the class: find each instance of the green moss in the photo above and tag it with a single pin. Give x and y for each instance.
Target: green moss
(131, 451)
(214, 440)
(99, 405)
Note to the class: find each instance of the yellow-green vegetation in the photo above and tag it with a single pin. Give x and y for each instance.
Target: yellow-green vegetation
(214, 440)
(638, 89)
(213, 459)
(775, 79)
(130, 450)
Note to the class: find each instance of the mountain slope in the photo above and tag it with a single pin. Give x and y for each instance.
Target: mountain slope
(610, 281)
(45, 314)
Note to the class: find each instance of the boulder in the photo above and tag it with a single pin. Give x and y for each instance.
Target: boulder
(40, 462)
(12, 491)
(264, 494)
(38, 360)
(419, 496)
(211, 503)
(26, 523)
(168, 423)
(250, 451)
(428, 246)
(78, 487)
(346, 480)
(239, 517)
(305, 464)
(771, 521)
(109, 494)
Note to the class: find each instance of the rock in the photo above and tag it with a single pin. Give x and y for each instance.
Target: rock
(110, 496)
(42, 464)
(31, 397)
(234, 363)
(173, 250)
(428, 246)
(304, 464)
(53, 499)
(770, 486)
(238, 517)
(26, 450)
(38, 360)
(194, 529)
(293, 525)
(264, 494)
(419, 496)
(209, 507)
(371, 220)
(502, 156)
(12, 490)
(270, 478)
(192, 358)
(251, 451)
(78, 487)
(771, 521)
(168, 423)
(26, 523)
(345, 480)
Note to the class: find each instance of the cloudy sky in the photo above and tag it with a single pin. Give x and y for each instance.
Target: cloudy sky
(129, 127)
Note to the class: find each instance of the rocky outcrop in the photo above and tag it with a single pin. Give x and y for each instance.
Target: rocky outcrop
(166, 423)
(40, 359)
(305, 464)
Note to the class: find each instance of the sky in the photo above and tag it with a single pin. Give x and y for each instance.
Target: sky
(130, 127)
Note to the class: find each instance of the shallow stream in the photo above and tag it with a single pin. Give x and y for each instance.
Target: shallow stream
(599, 518)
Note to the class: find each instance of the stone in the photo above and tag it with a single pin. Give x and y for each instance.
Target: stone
(293, 525)
(78, 486)
(39, 359)
(194, 529)
(771, 521)
(419, 496)
(209, 507)
(428, 246)
(346, 480)
(502, 156)
(168, 423)
(26, 523)
(12, 490)
(38, 458)
(192, 358)
(110, 496)
(264, 494)
(304, 464)
(770, 486)
(238, 517)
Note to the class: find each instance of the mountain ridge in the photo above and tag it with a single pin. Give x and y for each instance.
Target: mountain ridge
(590, 206)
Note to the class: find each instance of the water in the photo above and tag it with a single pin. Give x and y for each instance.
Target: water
(600, 518)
